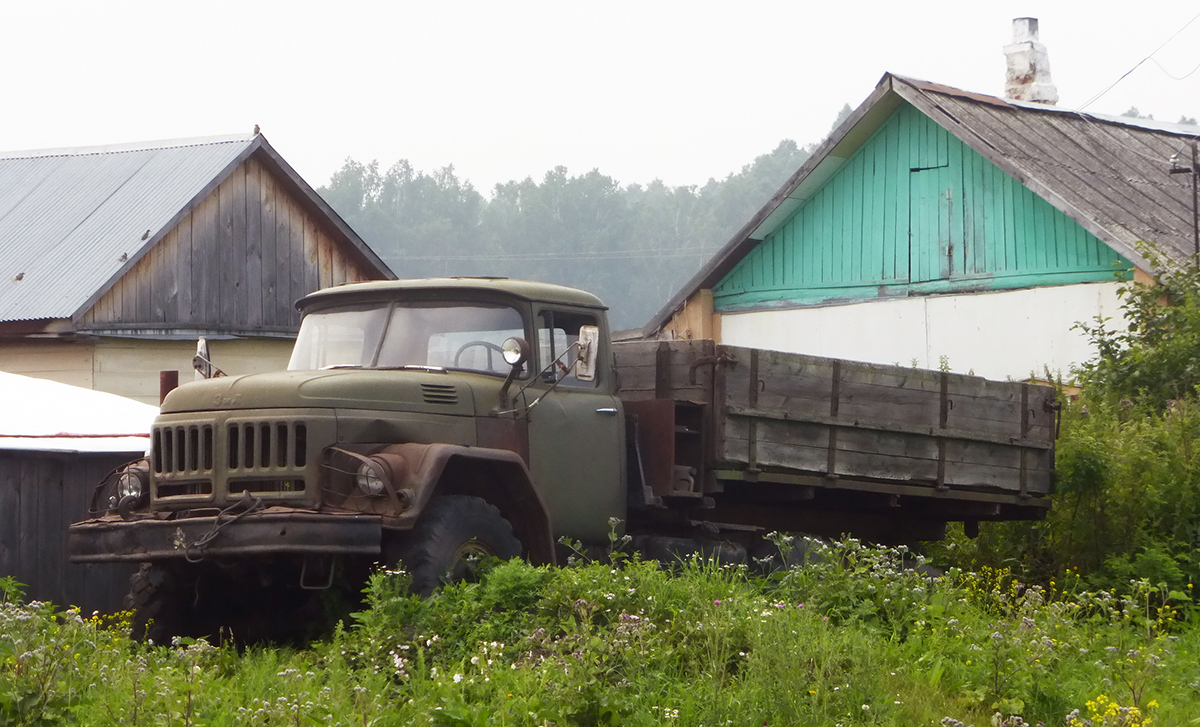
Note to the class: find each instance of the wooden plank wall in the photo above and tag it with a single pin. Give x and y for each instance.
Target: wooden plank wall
(641, 374)
(236, 263)
(40, 495)
(915, 210)
(852, 419)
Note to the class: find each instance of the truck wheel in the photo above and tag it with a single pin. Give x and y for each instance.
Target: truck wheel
(453, 532)
(158, 598)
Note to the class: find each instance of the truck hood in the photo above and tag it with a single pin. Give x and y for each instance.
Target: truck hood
(416, 391)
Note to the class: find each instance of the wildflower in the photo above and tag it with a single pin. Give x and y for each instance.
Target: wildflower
(458, 678)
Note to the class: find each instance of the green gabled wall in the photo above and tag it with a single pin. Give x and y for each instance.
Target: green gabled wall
(915, 211)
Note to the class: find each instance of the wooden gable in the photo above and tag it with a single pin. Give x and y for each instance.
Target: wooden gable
(914, 211)
(235, 264)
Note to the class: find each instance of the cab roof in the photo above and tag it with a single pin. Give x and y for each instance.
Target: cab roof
(523, 289)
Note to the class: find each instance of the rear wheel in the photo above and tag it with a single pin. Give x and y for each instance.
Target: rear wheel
(453, 534)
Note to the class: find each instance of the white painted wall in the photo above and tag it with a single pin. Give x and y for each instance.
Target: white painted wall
(1008, 334)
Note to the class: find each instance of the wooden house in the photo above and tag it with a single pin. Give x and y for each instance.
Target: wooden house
(940, 227)
(113, 260)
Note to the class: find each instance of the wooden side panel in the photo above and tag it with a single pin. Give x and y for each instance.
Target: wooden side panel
(641, 377)
(806, 414)
(236, 263)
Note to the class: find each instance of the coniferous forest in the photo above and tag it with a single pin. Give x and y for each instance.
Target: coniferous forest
(633, 245)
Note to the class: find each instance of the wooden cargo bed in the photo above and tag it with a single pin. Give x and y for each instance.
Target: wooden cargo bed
(739, 425)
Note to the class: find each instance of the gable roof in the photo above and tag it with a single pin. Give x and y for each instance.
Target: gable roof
(73, 221)
(1108, 174)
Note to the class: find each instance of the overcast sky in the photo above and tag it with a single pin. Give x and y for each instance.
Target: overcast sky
(680, 91)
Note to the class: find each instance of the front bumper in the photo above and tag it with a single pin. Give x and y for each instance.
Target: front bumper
(110, 539)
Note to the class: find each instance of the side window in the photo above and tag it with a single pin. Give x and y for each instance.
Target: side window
(557, 333)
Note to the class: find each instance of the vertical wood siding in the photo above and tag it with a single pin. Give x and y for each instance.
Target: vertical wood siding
(915, 211)
(235, 264)
(40, 495)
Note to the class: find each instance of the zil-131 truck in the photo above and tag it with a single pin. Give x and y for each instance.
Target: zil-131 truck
(427, 422)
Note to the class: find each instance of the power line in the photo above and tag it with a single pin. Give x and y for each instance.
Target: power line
(1139, 63)
(1184, 77)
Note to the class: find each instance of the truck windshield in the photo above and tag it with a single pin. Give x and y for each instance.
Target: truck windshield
(392, 335)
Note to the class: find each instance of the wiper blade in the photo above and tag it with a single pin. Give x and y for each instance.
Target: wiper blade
(413, 367)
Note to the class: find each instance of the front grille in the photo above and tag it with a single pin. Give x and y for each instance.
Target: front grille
(180, 489)
(266, 445)
(439, 393)
(183, 449)
(255, 487)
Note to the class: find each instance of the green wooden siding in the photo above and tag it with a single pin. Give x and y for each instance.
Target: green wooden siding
(915, 211)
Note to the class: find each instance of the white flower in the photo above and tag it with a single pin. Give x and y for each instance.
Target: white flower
(458, 678)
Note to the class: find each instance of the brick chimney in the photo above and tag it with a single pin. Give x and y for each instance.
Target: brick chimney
(1028, 76)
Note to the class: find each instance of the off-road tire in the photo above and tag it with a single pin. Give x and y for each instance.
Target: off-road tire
(451, 530)
(158, 598)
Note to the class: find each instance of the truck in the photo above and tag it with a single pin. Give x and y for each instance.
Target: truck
(429, 424)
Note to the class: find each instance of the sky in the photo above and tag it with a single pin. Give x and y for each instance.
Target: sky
(504, 90)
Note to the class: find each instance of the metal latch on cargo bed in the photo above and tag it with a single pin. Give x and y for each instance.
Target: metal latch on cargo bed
(718, 360)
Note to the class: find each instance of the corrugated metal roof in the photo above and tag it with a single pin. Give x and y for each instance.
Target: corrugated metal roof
(71, 219)
(1109, 174)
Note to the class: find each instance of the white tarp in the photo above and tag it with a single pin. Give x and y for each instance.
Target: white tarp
(41, 415)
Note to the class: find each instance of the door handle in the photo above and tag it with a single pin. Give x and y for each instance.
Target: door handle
(607, 410)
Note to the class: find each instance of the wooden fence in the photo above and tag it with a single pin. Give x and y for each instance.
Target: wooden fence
(41, 493)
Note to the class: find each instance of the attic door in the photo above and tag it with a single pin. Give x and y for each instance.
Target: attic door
(930, 214)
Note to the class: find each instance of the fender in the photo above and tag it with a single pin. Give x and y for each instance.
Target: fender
(496, 475)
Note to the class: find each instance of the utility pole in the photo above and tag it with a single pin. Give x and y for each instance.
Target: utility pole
(1193, 170)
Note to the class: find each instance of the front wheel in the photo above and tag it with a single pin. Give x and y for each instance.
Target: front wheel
(453, 533)
(159, 597)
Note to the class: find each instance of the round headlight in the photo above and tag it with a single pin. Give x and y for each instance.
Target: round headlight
(515, 351)
(370, 478)
(129, 484)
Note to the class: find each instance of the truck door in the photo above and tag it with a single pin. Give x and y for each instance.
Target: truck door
(576, 430)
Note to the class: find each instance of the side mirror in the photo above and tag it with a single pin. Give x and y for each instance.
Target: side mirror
(589, 352)
(202, 362)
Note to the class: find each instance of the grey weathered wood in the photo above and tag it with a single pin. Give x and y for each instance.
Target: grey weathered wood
(254, 246)
(858, 421)
(183, 311)
(40, 495)
(233, 209)
(205, 263)
(270, 261)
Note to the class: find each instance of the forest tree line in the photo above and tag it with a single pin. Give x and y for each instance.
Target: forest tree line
(632, 245)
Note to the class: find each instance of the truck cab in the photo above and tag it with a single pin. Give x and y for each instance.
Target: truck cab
(419, 422)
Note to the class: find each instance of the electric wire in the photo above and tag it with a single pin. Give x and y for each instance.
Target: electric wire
(1137, 65)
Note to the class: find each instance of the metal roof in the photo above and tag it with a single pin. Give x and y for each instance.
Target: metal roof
(1109, 174)
(72, 221)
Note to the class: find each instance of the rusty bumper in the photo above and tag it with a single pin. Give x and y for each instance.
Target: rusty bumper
(113, 540)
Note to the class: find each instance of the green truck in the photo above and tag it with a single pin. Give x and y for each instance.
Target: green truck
(428, 422)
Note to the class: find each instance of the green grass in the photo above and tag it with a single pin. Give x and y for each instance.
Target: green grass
(855, 639)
